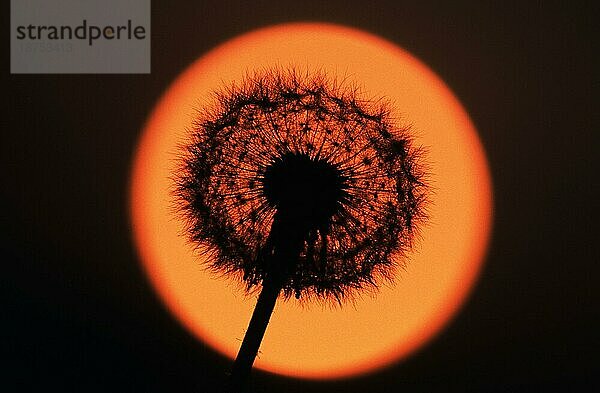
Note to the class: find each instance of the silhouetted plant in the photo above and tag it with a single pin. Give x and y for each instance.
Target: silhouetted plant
(296, 183)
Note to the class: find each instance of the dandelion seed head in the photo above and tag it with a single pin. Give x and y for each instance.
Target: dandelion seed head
(298, 157)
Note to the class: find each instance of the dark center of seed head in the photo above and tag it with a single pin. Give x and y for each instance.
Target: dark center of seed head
(306, 192)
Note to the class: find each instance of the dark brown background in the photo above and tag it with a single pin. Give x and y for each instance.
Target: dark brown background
(80, 315)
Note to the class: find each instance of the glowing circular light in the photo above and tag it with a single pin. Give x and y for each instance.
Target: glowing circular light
(312, 341)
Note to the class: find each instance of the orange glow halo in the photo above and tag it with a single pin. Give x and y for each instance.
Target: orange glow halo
(374, 331)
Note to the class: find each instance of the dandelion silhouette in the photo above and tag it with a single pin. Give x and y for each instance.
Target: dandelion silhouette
(300, 187)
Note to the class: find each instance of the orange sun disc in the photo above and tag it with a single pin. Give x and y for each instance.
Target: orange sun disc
(312, 341)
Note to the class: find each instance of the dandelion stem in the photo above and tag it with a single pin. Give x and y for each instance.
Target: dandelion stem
(254, 335)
